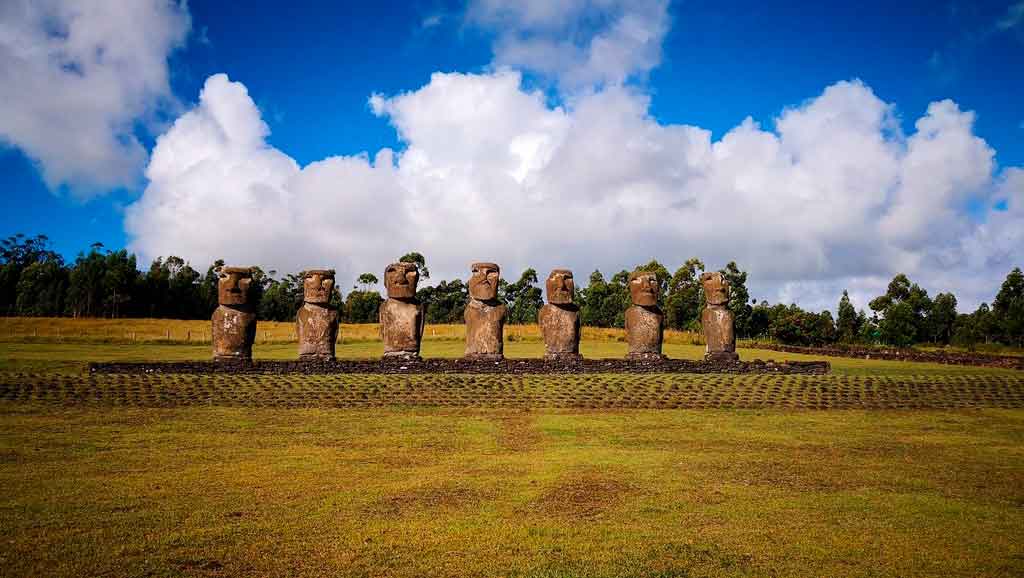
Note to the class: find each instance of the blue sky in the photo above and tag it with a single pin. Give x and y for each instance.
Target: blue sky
(311, 69)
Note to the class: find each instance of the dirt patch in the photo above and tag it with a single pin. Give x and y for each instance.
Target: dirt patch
(586, 495)
(433, 498)
(516, 432)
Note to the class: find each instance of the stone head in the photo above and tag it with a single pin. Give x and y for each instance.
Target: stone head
(560, 287)
(644, 288)
(400, 280)
(317, 286)
(234, 285)
(716, 288)
(483, 283)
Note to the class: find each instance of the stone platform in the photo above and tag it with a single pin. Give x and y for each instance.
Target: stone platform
(458, 365)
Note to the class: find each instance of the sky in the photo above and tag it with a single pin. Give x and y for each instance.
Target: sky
(822, 146)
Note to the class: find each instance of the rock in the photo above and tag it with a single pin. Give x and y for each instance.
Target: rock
(402, 317)
(233, 325)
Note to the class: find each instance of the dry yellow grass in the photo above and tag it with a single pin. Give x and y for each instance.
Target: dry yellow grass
(198, 331)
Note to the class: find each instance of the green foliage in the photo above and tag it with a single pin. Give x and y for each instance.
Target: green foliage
(523, 298)
(419, 259)
(683, 302)
(794, 326)
(603, 304)
(898, 327)
(846, 326)
(909, 307)
(41, 289)
(445, 302)
(942, 318)
(739, 299)
(362, 307)
(281, 299)
(367, 279)
(1009, 307)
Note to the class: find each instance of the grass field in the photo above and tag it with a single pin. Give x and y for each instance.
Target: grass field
(373, 475)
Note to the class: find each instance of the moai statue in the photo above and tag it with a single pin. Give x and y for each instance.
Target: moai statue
(560, 319)
(644, 320)
(402, 317)
(717, 320)
(485, 316)
(316, 323)
(234, 320)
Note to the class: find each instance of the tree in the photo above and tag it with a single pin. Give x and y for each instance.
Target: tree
(915, 313)
(739, 298)
(682, 304)
(445, 302)
(846, 325)
(1009, 308)
(281, 298)
(942, 318)
(41, 289)
(420, 261)
(17, 253)
(524, 298)
(898, 325)
(366, 279)
(363, 307)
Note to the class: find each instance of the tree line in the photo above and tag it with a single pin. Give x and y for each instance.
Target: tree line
(35, 281)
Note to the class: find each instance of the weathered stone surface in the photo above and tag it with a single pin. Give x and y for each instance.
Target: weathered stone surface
(645, 323)
(233, 326)
(644, 289)
(560, 319)
(717, 321)
(644, 331)
(447, 366)
(316, 323)
(485, 316)
(402, 317)
(483, 282)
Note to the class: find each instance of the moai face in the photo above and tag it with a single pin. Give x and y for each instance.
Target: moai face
(483, 283)
(716, 288)
(233, 285)
(560, 287)
(317, 286)
(400, 280)
(644, 288)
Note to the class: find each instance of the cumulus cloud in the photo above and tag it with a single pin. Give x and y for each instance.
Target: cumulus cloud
(833, 195)
(577, 43)
(77, 78)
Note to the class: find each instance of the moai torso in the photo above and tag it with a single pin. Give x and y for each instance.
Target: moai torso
(317, 329)
(485, 315)
(719, 333)
(485, 326)
(316, 322)
(644, 320)
(401, 327)
(233, 333)
(233, 325)
(716, 319)
(644, 329)
(560, 326)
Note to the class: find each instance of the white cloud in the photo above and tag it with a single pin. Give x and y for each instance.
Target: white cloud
(834, 196)
(577, 43)
(77, 77)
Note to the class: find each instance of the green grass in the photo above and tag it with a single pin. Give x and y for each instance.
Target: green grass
(485, 475)
(246, 492)
(73, 357)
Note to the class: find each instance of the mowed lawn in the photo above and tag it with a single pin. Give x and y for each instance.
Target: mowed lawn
(411, 492)
(230, 490)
